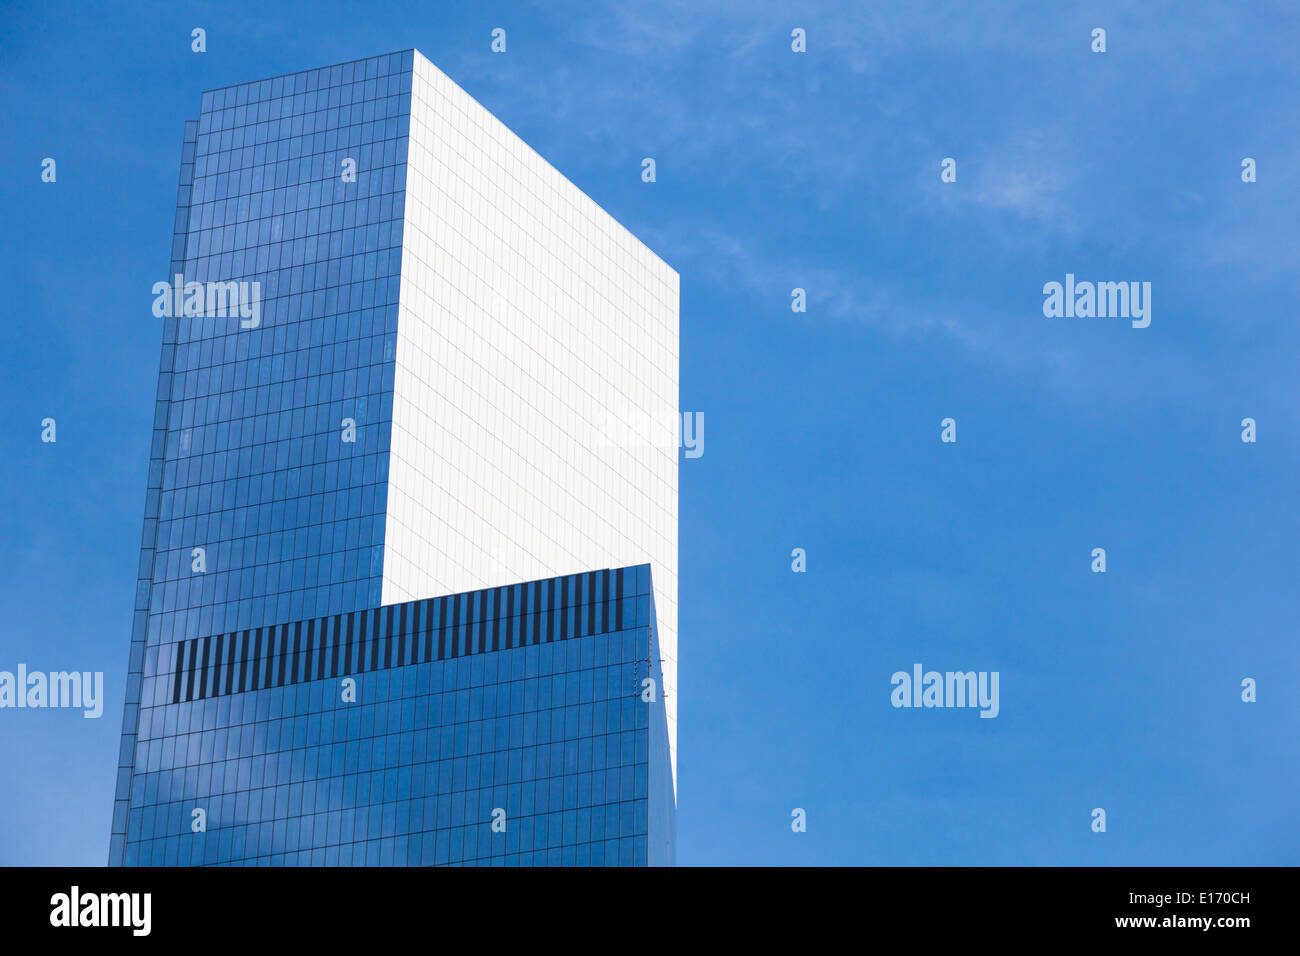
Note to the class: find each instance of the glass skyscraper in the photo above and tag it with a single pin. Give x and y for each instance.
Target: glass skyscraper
(407, 585)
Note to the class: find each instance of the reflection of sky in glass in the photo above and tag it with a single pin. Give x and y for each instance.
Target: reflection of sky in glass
(460, 709)
(255, 469)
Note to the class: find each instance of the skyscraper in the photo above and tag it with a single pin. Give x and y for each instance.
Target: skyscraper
(459, 383)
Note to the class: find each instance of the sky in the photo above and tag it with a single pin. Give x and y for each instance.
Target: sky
(778, 170)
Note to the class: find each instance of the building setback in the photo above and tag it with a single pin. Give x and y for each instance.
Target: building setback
(461, 386)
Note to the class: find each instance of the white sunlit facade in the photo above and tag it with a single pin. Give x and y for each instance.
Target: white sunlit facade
(535, 394)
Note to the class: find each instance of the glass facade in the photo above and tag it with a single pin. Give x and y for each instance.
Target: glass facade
(254, 469)
(247, 462)
(507, 726)
(262, 562)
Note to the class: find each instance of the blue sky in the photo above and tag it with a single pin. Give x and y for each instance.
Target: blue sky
(779, 170)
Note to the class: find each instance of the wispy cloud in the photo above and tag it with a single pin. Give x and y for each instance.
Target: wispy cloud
(732, 263)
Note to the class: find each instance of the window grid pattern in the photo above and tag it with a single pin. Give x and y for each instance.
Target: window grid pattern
(247, 460)
(144, 574)
(557, 734)
(274, 452)
(261, 469)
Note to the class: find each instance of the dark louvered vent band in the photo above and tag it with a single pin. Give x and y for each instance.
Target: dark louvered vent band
(395, 635)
